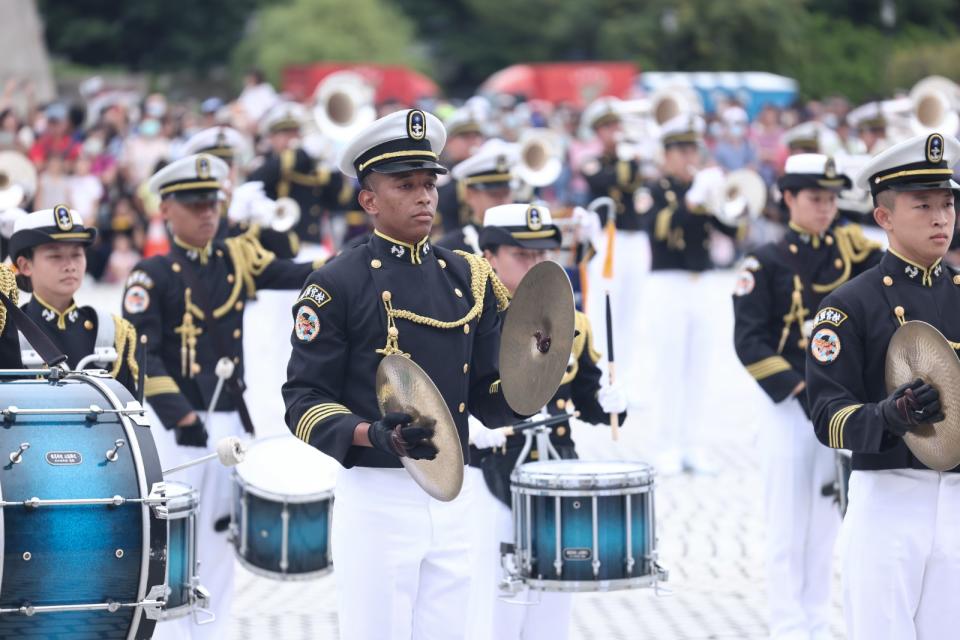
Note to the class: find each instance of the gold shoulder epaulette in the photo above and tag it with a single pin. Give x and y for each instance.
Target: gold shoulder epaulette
(8, 286)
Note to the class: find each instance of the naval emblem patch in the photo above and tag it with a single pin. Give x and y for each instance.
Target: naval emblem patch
(825, 346)
(307, 324)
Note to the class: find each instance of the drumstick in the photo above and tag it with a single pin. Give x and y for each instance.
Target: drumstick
(230, 452)
(611, 368)
(520, 427)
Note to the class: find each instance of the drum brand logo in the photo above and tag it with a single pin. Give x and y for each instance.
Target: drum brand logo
(577, 554)
(60, 458)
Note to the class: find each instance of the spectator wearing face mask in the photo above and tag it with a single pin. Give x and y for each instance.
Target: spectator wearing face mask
(733, 150)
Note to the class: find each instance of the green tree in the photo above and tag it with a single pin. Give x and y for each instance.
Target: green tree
(151, 35)
(300, 31)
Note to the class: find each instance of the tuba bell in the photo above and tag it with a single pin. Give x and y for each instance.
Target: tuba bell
(934, 102)
(674, 100)
(343, 105)
(18, 179)
(741, 195)
(539, 163)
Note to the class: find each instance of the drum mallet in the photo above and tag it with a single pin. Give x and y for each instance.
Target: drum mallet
(223, 370)
(230, 452)
(614, 418)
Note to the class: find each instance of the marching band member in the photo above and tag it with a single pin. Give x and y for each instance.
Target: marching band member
(48, 249)
(289, 171)
(485, 180)
(190, 304)
(870, 122)
(779, 286)
(514, 238)
(464, 136)
(680, 225)
(609, 175)
(900, 540)
(402, 557)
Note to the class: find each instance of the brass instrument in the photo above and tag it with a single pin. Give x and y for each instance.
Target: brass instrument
(343, 105)
(934, 102)
(539, 158)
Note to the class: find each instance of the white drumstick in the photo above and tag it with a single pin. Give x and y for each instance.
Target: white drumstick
(224, 370)
(230, 452)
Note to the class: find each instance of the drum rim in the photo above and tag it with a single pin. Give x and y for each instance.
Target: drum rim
(617, 584)
(267, 493)
(277, 575)
(528, 475)
(581, 492)
(187, 502)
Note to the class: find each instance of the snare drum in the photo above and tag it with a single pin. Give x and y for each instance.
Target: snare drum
(283, 501)
(82, 548)
(585, 526)
(180, 511)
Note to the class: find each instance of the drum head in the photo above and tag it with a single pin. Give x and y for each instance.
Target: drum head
(285, 466)
(583, 474)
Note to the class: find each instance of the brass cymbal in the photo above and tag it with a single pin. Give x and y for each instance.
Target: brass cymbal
(403, 386)
(537, 338)
(918, 350)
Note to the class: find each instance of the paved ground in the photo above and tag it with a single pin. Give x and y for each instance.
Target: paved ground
(711, 535)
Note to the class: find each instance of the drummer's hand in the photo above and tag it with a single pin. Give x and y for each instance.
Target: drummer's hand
(910, 404)
(612, 399)
(191, 434)
(484, 438)
(393, 434)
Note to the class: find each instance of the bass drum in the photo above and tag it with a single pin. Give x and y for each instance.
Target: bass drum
(81, 545)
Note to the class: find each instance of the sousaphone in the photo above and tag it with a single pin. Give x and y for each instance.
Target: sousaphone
(404, 387)
(537, 338)
(18, 179)
(919, 350)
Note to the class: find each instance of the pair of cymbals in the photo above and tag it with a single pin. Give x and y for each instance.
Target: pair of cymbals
(919, 350)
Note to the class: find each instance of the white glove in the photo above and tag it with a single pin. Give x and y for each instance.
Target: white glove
(244, 201)
(706, 188)
(612, 399)
(483, 438)
(8, 219)
(587, 224)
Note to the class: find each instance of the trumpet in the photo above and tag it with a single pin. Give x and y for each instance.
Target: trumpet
(539, 163)
(250, 204)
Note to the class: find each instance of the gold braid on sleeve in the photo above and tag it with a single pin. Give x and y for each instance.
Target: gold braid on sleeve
(480, 273)
(8, 286)
(125, 342)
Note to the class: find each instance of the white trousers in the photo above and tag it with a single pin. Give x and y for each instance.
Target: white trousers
(215, 554)
(631, 264)
(802, 523)
(401, 558)
(900, 542)
(543, 615)
(679, 311)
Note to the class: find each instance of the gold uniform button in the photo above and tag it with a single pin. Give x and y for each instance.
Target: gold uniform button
(888, 281)
(462, 407)
(236, 333)
(87, 325)
(793, 248)
(315, 210)
(458, 292)
(196, 368)
(236, 360)
(838, 263)
(376, 264)
(386, 295)
(443, 263)
(899, 311)
(176, 267)
(466, 328)
(828, 239)
(219, 253)
(561, 403)
(956, 279)
(561, 431)
(466, 367)
(230, 278)
(239, 305)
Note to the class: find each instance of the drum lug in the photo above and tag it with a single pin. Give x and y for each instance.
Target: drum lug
(156, 599)
(511, 582)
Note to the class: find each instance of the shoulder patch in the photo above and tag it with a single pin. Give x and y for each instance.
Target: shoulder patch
(829, 315)
(140, 277)
(306, 324)
(745, 283)
(316, 294)
(136, 299)
(825, 346)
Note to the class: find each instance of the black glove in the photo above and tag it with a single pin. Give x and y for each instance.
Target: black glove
(909, 405)
(191, 435)
(395, 435)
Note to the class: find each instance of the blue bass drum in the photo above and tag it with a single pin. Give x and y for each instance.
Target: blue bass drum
(283, 502)
(584, 526)
(83, 551)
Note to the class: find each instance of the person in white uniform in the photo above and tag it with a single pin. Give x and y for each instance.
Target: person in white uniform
(514, 240)
(778, 287)
(189, 303)
(401, 556)
(900, 539)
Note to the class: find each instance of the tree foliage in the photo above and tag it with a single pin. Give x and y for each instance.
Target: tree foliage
(150, 35)
(299, 31)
